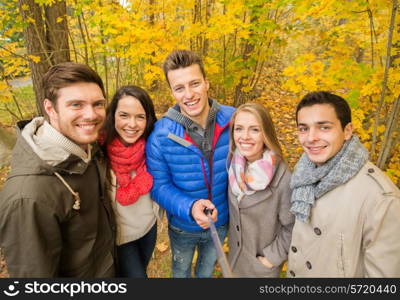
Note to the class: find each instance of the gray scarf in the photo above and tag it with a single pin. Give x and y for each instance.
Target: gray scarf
(309, 183)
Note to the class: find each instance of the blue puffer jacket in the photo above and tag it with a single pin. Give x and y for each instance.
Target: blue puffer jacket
(182, 175)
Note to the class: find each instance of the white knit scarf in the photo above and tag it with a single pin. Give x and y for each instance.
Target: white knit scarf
(247, 178)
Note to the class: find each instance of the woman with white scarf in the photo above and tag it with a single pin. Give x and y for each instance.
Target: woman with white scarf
(260, 225)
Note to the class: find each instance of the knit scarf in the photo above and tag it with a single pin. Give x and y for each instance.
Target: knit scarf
(246, 179)
(310, 183)
(124, 160)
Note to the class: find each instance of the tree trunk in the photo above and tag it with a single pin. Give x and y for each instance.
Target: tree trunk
(44, 38)
(241, 96)
(385, 76)
(155, 84)
(392, 126)
(57, 32)
(35, 37)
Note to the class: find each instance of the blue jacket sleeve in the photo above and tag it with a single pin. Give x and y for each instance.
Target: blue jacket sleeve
(164, 192)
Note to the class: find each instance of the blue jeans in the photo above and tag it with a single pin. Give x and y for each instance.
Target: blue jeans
(133, 257)
(183, 245)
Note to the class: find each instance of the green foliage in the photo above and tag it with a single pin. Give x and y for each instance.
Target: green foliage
(25, 97)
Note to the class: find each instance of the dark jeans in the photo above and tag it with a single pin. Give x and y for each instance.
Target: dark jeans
(133, 257)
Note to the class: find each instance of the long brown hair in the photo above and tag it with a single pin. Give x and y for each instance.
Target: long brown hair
(267, 128)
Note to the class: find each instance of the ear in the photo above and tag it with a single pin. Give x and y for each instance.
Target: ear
(50, 110)
(207, 83)
(348, 131)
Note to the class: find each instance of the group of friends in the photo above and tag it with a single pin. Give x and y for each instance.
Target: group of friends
(88, 184)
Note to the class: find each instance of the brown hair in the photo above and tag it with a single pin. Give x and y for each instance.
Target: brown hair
(342, 108)
(144, 99)
(66, 74)
(181, 59)
(267, 128)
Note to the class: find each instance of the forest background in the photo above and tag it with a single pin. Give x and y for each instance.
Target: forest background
(268, 51)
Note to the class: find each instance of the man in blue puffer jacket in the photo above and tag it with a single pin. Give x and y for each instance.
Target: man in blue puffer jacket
(186, 154)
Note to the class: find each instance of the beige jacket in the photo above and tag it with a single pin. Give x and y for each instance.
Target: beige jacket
(135, 220)
(354, 231)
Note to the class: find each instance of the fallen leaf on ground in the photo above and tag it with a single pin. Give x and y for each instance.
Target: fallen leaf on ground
(162, 247)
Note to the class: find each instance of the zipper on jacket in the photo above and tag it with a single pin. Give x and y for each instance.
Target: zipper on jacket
(203, 168)
(212, 155)
(208, 184)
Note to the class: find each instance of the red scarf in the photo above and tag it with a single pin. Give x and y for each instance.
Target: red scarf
(124, 160)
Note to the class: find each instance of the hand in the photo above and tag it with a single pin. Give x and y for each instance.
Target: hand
(265, 261)
(198, 212)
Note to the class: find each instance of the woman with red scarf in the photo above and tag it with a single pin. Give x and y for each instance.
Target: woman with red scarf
(129, 121)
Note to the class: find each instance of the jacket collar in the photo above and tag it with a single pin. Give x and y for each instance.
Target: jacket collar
(26, 161)
(49, 144)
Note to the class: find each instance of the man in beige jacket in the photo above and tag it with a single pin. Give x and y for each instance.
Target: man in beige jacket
(347, 210)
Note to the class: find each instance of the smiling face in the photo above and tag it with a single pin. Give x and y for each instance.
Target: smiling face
(130, 120)
(189, 88)
(248, 137)
(320, 132)
(79, 112)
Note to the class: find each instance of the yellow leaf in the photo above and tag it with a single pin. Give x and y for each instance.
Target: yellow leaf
(309, 82)
(162, 247)
(308, 57)
(30, 20)
(289, 71)
(35, 58)
(381, 128)
(225, 245)
(24, 7)
(59, 19)
(284, 267)
(317, 67)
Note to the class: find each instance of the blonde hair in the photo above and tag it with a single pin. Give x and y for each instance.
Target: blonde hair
(267, 128)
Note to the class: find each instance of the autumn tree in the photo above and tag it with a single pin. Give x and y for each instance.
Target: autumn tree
(347, 49)
(251, 49)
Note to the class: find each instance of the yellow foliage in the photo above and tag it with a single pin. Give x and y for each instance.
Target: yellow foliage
(34, 58)
(394, 174)
(307, 57)
(212, 66)
(292, 86)
(381, 128)
(303, 45)
(290, 71)
(317, 67)
(30, 20)
(309, 82)
(162, 247)
(5, 94)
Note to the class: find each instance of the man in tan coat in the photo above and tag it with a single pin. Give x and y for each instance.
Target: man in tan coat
(347, 210)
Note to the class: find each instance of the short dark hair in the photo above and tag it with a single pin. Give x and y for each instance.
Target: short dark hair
(66, 74)
(342, 108)
(109, 132)
(181, 59)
